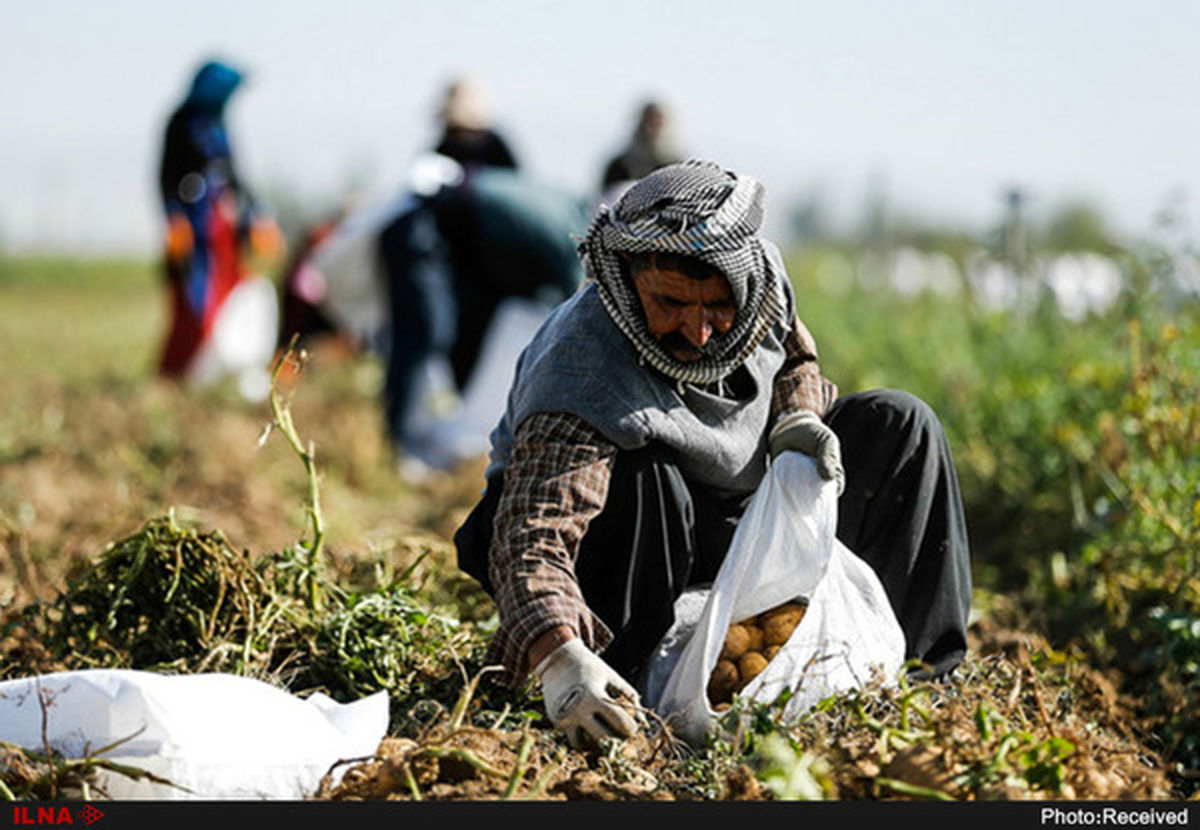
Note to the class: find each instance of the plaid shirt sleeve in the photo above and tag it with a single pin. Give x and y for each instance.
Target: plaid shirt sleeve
(555, 483)
(799, 384)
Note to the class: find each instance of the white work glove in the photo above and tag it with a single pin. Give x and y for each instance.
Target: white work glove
(581, 693)
(805, 432)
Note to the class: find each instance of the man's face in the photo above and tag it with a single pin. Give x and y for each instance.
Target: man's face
(682, 313)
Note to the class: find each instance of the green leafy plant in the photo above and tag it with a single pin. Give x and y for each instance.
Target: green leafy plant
(791, 773)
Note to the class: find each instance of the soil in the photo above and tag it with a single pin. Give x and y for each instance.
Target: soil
(100, 464)
(1113, 758)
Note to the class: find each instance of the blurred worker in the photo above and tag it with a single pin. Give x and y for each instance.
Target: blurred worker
(651, 147)
(468, 136)
(211, 219)
(440, 281)
(450, 260)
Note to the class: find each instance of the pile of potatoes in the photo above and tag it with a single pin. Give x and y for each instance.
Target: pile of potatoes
(749, 646)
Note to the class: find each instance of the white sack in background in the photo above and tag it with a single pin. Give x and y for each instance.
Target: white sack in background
(446, 436)
(219, 735)
(356, 289)
(784, 548)
(243, 340)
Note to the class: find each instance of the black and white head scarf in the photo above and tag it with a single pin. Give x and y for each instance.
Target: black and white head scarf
(697, 209)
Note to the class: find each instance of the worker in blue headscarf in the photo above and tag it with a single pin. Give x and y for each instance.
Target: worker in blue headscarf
(211, 216)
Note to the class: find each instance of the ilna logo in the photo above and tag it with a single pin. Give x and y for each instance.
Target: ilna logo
(85, 815)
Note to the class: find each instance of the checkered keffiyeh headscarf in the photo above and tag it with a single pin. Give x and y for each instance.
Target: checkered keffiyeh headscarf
(697, 209)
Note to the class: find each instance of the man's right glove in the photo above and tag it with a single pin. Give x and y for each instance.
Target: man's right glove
(805, 432)
(581, 693)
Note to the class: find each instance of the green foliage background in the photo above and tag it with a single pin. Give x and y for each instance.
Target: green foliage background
(1078, 451)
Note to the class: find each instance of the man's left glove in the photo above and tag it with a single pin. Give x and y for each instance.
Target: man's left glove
(805, 432)
(582, 694)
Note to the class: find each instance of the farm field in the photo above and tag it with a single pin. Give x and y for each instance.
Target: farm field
(1076, 444)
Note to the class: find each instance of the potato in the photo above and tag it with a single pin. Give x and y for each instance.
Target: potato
(785, 610)
(737, 641)
(749, 666)
(777, 631)
(749, 645)
(779, 623)
(756, 636)
(723, 680)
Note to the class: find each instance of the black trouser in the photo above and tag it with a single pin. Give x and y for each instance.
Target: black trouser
(901, 512)
(423, 312)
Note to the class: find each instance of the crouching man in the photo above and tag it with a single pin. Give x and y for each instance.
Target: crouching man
(641, 419)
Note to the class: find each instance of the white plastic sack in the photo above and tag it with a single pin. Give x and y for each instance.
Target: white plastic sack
(444, 436)
(355, 290)
(243, 340)
(784, 548)
(220, 736)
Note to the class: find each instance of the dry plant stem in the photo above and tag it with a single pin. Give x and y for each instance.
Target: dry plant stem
(58, 768)
(1014, 695)
(282, 416)
(45, 700)
(464, 755)
(539, 786)
(327, 778)
(26, 570)
(464, 699)
(665, 740)
(503, 714)
(519, 767)
(912, 789)
(1041, 705)
(411, 782)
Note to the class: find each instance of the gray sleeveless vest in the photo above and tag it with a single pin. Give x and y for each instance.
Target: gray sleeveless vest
(580, 363)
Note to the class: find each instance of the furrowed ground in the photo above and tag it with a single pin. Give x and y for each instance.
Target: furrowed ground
(1082, 662)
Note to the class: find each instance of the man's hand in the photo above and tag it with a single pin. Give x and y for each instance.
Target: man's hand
(582, 694)
(805, 432)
